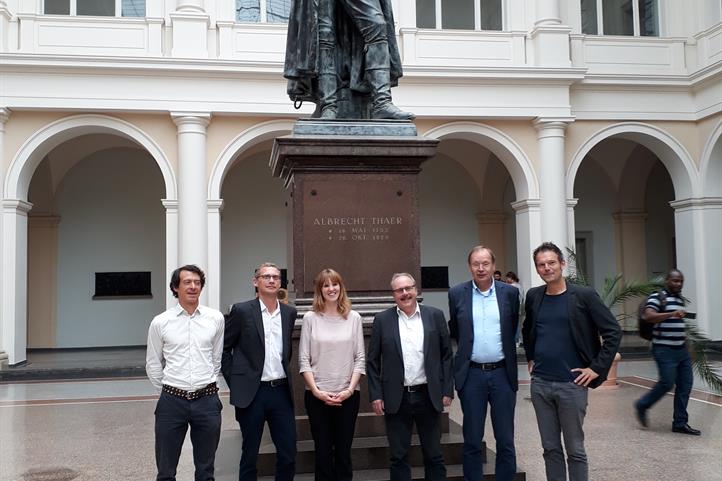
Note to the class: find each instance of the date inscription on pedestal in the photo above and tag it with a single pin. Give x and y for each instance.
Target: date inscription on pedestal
(363, 228)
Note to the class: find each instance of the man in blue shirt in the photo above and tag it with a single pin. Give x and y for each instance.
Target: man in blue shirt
(483, 320)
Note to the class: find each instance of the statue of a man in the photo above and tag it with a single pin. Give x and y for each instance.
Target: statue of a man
(342, 55)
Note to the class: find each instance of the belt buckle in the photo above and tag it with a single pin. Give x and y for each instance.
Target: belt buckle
(189, 395)
(275, 382)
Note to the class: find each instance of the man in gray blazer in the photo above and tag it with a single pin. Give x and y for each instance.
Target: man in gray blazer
(409, 377)
(255, 363)
(484, 314)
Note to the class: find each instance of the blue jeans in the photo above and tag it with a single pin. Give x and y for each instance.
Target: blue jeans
(482, 389)
(560, 409)
(675, 368)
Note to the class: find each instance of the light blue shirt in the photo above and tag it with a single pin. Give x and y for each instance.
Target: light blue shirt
(487, 325)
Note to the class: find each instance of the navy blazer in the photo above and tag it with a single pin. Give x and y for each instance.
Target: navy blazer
(461, 325)
(244, 349)
(385, 360)
(589, 319)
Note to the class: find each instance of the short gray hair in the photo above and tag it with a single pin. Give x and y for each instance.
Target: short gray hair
(402, 274)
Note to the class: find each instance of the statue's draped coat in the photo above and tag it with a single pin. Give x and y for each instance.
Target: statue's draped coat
(301, 67)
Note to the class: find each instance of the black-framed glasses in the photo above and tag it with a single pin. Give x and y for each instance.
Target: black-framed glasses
(268, 277)
(404, 289)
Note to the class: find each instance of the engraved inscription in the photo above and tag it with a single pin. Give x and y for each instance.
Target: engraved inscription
(360, 229)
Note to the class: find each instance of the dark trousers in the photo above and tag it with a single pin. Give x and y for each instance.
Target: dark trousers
(332, 428)
(482, 389)
(173, 415)
(274, 405)
(560, 409)
(416, 408)
(675, 369)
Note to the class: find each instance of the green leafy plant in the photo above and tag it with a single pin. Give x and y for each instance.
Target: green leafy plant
(615, 292)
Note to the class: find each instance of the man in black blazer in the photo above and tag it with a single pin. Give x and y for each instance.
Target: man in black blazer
(562, 330)
(484, 315)
(256, 358)
(408, 366)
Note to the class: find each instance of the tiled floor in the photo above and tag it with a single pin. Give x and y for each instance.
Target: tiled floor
(97, 430)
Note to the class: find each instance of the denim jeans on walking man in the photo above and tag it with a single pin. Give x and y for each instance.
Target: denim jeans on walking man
(675, 369)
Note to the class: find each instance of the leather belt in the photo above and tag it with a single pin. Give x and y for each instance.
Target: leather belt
(415, 388)
(275, 382)
(210, 389)
(488, 366)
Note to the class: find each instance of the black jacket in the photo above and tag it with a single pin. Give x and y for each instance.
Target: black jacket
(385, 360)
(244, 349)
(589, 319)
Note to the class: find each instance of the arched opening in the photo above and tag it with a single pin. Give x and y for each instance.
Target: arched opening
(626, 179)
(96, 218)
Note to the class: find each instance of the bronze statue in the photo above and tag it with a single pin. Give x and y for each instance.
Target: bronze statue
(342, 55)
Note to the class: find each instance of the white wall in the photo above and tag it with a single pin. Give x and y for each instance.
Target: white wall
(448, 201)
(253, 226)
(593, 214)
(111, 220)
(660, 221)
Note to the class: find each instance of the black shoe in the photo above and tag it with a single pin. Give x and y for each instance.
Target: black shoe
(641, 415)
(686, 429)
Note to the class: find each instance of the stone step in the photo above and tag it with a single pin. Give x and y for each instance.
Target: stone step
(366, 453)
(454, 472)
(367, 424)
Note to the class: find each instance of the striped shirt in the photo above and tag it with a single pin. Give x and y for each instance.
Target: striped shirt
(669, 332)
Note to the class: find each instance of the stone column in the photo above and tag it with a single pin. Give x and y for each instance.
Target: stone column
(190, 24)
(571, 224)
(408, 31)
(4, 115)
(631, 259)
(171, 246)
(552, 185)
(548, 12)
(192, 190)
(528, 237)
(14, 269)
(5, 18)
(491, 234)
(213, 274)
(190, 6)
(549, 38)
(698, 229)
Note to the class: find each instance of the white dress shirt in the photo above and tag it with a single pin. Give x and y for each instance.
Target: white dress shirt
(411, 332)
(273, 340)
(184, 350)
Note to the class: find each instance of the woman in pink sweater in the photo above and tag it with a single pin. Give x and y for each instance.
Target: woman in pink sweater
(332, 360)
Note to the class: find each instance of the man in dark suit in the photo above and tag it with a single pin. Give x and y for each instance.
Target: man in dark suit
(256, 358)
(484, 315)
(408, 366)
(562, 330)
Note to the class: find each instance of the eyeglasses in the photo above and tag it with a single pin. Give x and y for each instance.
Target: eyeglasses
(268, 277)
(401, 290)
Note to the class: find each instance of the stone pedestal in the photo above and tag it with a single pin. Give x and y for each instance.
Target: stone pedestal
(353, 198)
(354, 193)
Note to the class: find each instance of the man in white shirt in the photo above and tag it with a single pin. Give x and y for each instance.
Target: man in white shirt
(256, 358)
(410, 345)
(185, 345)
